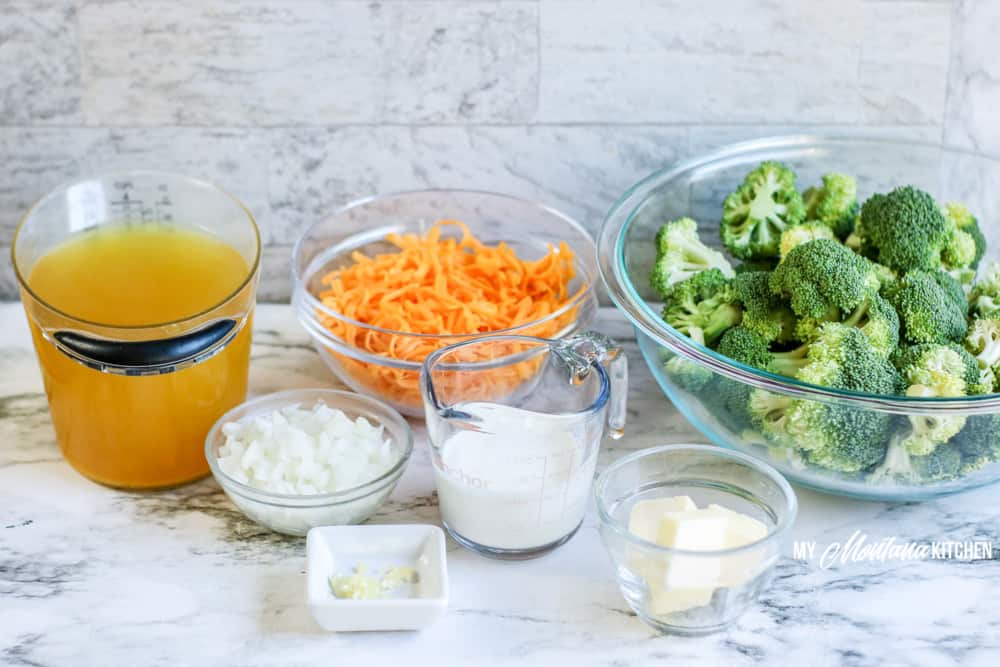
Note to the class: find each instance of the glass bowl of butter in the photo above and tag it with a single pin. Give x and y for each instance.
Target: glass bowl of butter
(694, 533)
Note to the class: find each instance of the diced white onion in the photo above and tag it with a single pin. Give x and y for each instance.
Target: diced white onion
(305, 452)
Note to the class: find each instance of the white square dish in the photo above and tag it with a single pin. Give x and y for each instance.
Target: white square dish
(337, 550)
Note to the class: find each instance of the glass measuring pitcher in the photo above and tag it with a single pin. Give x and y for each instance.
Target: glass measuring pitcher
(515, 424)
(139, 290)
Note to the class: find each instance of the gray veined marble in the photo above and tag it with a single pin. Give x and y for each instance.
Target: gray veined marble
(92, 576)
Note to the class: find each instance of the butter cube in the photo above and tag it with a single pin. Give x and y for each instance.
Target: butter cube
(743, 529)
(739, 568)
(694, 530)
(644, 519)
(671, 600)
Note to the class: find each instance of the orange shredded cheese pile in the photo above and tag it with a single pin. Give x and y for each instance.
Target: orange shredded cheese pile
(441, 286)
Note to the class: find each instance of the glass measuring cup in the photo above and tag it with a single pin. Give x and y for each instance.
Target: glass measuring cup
(515, 423)
(133, 389)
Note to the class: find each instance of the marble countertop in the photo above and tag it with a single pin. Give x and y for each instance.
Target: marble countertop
(94, 576)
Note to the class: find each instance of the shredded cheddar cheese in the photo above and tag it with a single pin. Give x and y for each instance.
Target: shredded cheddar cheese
(439, 285)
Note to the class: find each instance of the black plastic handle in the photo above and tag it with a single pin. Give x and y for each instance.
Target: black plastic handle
(127, 355)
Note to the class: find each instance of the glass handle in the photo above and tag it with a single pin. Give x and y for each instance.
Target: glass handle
(581, 352)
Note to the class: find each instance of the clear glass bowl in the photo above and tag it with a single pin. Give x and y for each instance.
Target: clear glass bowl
(296, 514)
(712, 394)
(729, 580)
(362, 226)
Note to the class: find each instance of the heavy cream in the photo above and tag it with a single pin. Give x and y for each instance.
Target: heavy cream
(519, 483)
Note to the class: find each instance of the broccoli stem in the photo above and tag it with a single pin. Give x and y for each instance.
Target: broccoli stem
(896, 463)
(724, 318)
(789, 363)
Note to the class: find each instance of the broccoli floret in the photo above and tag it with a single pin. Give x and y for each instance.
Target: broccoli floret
(953, 288)
(754, 216)
(834, 436)
(947, 369)
(928, 431)
(876, 318)
(927, 312)
(687, 374)
(749, 347)
(733, 403)
(983, 342)
(855, 440)
(764, 311)
(979, 441)
(933, 371)
(822, 278)
(900, 465)
(859, 365)
(704, 303)
(799, 234)
(835, 204)
(680, 254)
(886, 276)
(941, 464)
(966, 244)
(903, 230)
(984, 299)
(964, 277)
(879, 322)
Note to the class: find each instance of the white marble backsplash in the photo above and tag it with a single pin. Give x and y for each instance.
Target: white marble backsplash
(299, 106)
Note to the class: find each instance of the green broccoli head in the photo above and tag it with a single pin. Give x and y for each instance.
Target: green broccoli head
(799, 234)
(852, 440)
(732, 405)
(772, 414)
(745, 346)
(944, 369)
(750, 348)
(933, 371)
(822, 278)
(964, 277)
(886, 276)
(966, 244)
(979, 441)
(680, 254)
(859, 365)
(903, 230)
(928, 431)
(984, 298)
(832, 436)
(835, 204)
(763, 311)
(687, 374)
(835, 436)
(928, 313)
(952, 288)
(754, 216)
(983, 342)
(703, 305)
(879, 322)
(940, 464)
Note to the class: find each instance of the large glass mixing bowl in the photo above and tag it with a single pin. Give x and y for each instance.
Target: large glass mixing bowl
(710, 389)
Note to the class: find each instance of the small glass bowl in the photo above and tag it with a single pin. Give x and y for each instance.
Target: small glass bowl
(529, 228)
(651, 577)
(296, 514)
